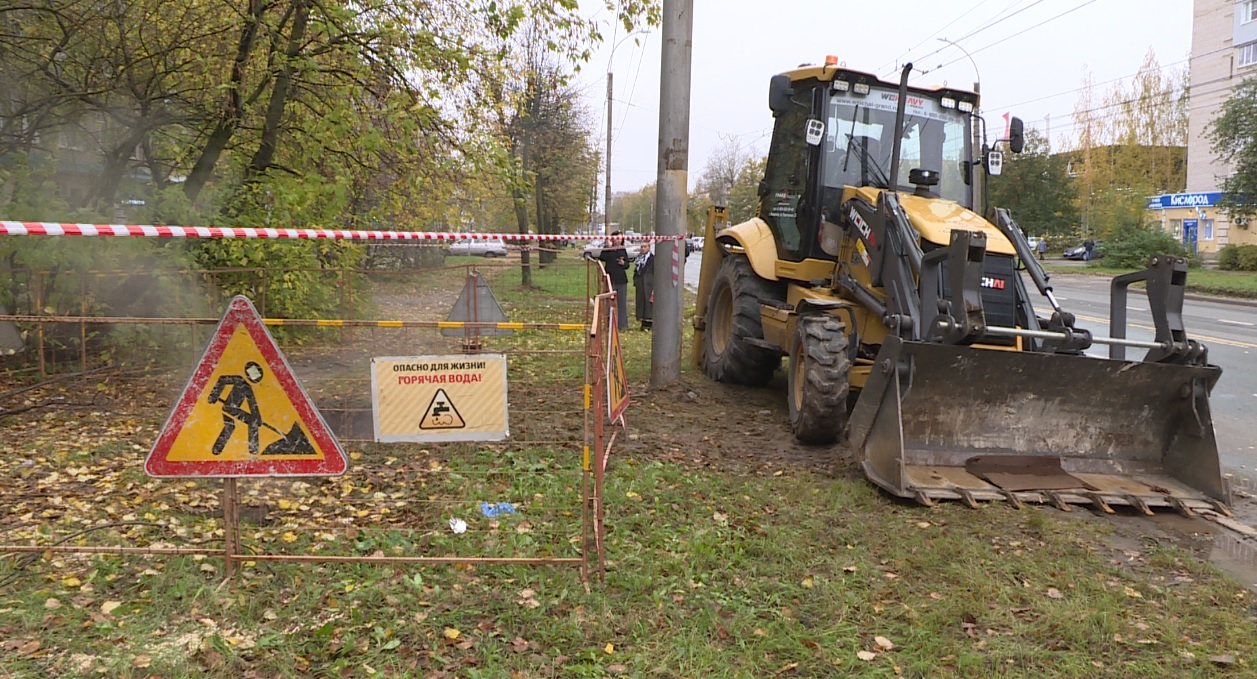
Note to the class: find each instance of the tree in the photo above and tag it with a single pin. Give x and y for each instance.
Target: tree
(1130, 146)
(1036, 187)
(1234, 136)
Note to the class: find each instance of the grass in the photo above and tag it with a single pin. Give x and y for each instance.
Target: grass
(713, 572)
(1203, 281)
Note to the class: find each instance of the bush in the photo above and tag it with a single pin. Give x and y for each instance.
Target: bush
(1132, 247)
(1238, 258)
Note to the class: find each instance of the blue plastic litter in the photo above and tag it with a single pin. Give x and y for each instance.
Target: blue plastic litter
(492, 509)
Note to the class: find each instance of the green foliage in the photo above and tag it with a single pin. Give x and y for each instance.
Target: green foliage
(1234, 136)
(1132, 246)
(1036, 187)
(1238, 258)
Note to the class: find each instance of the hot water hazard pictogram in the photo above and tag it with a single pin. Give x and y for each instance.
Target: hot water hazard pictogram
(243, 413)
(441, 414)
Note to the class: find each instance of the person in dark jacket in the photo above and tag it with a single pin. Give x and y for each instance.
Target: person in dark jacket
(644, 286)
(615, 261)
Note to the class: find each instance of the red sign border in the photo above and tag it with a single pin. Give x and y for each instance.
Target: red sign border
(242, 313)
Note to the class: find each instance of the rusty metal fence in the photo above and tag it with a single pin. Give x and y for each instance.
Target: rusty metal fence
(109, 350)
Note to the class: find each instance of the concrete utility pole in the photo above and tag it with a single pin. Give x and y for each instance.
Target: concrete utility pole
(672, 195)
(606, 210)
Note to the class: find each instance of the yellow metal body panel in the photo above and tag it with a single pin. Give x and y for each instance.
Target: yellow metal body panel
(935, 219)
(755, 239)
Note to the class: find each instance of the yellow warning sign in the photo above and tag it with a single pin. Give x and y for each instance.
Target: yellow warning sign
(243, 413)
(441, 414)
(617, 380)
(439, 398)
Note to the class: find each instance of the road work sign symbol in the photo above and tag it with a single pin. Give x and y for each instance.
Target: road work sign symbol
(442, 414)
(243, 413)
(425, 399)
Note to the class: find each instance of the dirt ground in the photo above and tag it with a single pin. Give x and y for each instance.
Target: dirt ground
(694, 422)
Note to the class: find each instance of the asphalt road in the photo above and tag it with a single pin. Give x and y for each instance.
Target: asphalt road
(1230, 332)
(1228, 329)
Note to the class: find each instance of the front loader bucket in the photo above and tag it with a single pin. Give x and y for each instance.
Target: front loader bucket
(972, 424)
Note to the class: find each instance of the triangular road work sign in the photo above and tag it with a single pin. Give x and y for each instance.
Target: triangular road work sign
(441, 413)
(243, 413)
(476, 304)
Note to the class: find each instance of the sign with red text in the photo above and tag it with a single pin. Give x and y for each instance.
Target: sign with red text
(430, 399)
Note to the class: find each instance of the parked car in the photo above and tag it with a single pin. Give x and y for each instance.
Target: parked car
(1079, 253)
(495, 247)
(593, 249)
(695, 243)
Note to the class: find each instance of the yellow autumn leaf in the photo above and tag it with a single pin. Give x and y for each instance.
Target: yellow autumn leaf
(289, 537)
(355, 455)
(609, 648)
(71, 582)
(109, 606)
(286, 504)
(808, 583)
(451, 633)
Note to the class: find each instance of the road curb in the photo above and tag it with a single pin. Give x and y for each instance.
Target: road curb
(1233, 301)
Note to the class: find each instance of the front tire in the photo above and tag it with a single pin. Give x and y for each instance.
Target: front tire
(818, 379)
(733, 317)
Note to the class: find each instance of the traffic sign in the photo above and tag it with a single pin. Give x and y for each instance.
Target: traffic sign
(243, 413)
(617, 380)
(427, 399)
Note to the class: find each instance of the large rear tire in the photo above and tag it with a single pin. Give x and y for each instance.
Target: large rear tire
(818, 379)
(733, 317)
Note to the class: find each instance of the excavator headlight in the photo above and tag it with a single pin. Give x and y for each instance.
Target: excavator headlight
(861, 88)
(965, 106)
(947, 102)
(840, 85)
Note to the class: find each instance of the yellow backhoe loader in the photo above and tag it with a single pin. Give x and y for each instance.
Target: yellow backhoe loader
(904, 309)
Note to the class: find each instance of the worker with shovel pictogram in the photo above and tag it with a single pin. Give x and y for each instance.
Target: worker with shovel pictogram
(240, 405)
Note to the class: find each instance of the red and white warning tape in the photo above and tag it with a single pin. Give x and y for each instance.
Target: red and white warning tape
(56, 229)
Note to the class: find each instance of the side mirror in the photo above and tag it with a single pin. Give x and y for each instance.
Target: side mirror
(1016, 135)
(780, 94)
(994, 163)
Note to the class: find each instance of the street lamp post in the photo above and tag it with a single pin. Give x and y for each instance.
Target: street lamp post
(979, 198)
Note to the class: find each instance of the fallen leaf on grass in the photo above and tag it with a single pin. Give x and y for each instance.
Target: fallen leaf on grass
(71, 582)
(849, 569)
(617, 668)
(1225, 659)
(808, 583)
(883, 644)
(109, 606)
(1132, 592)
(1054, 593)
(451, 633)
(519, 645)
(52, 604)
(867, 656)
(609, 648)
(142, 660)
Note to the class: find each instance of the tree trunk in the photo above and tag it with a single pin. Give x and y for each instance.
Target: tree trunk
(116, 162)
(230, 118)
(521, 219)
(279, 97)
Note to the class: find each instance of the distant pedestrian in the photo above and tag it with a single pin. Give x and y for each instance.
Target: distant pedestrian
(615, 261)
(1042, 249)
(1087, 247)
(644, 287)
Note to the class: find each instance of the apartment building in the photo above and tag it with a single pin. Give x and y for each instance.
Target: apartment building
(1224, 53)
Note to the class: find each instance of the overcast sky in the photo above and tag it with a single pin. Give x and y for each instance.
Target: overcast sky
(1030, 54)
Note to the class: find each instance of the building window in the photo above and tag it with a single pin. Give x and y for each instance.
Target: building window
(1248, 54)
(1206, 229)
(1176, 227)
(1248, 12)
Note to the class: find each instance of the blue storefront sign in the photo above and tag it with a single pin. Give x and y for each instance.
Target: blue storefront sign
(1173, 200)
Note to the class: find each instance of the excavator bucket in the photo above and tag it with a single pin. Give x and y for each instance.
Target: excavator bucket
(946, 422)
